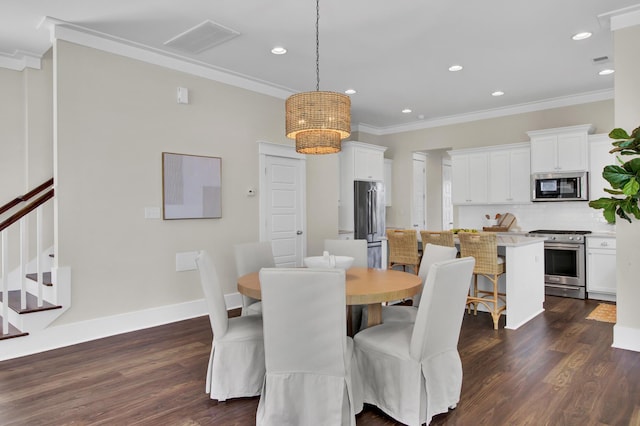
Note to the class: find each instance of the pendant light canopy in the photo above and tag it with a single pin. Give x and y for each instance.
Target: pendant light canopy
(318, 120)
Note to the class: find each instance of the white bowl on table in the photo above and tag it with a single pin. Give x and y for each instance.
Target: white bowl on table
(328, 262)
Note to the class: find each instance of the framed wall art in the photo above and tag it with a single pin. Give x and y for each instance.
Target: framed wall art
(191, 186)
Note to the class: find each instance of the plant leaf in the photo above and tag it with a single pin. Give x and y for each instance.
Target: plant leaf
(616, 176)
(613, 191)
(603, 203)
(626, 143)
(630, 205)
(632, 187)
(610, 214)
(632, 166)
(618, 133)
(623, 214)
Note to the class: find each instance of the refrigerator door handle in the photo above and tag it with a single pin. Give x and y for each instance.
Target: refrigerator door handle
(374, 212)
(369, 221)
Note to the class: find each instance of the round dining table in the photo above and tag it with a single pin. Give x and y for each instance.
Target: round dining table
(364, 286)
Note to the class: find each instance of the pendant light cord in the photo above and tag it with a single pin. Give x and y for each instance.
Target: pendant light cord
(317, 45)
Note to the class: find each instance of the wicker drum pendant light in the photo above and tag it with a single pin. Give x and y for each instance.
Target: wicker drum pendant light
(318, 120)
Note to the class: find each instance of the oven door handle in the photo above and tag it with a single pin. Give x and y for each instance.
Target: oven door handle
(568, 246)
(564, 286)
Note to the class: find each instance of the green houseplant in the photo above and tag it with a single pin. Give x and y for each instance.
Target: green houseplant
(624, 178)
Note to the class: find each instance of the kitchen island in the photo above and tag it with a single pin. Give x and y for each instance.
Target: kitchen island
(523, 282)
(524, 277)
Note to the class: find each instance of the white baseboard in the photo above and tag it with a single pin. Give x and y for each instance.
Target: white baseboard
(602, 296)
(626, 338)
(54, 337)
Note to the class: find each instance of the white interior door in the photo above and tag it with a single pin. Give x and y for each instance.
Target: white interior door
(419, 209)
(447, 201)
(284, 216)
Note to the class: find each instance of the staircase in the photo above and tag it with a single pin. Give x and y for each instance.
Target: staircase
(29, 301)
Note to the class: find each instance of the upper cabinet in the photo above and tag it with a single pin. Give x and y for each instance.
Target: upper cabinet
(469, 180)
(562, 149)
(358, 161)
(491, 175)
(361, 161)
(509, 176)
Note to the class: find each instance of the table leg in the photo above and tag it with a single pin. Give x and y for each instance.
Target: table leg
(374, 314)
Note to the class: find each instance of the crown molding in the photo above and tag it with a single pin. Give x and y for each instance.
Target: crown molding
(61, 30)
(20, 60)
(559, 102)
(621, 18)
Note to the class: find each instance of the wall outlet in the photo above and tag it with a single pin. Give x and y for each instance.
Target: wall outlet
(186, 261)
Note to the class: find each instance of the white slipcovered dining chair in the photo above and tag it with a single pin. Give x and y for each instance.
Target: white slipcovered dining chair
(311, 377)
(251, 257)
(358, 250)
(236, 363)
(412, 371)
(431, 254)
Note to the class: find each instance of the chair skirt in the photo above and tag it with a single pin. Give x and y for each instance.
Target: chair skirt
(236, 363)
(327, 400)
(410, 391)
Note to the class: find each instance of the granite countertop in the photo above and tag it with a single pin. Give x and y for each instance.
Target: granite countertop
(517, 240)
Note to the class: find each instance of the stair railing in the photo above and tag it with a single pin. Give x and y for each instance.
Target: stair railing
(21, 217)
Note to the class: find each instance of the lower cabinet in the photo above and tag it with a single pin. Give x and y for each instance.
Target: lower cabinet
(601, 267)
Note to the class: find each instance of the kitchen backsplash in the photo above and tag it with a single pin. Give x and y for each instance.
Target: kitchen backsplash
(570, 215)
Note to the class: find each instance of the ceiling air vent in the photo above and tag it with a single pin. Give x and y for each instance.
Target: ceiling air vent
(201, 37)
(600, 59)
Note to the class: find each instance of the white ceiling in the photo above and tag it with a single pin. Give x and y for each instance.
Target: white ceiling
(394, 53)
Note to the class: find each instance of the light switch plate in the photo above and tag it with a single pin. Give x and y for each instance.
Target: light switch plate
(152, 212)
(186, 261)
(183, 95)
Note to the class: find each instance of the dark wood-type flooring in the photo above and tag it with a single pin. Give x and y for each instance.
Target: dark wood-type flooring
(559, 369)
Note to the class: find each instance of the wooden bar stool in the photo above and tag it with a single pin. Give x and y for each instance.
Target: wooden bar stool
(484, 248)
(438, 238)
(403, 248)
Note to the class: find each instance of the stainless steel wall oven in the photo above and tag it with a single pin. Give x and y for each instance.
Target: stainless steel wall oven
(564, 262)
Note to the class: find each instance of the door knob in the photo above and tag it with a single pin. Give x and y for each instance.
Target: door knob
(299, 233)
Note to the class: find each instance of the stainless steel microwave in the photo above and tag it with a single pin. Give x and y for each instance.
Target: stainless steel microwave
(559, 186)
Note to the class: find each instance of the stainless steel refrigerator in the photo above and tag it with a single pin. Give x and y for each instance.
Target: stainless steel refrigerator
(369, 223)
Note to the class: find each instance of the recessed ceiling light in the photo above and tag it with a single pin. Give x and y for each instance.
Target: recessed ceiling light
(497, 93)
(455, 67)
(406, 111)
(606, 71)
(350, 91)
(278, 50)
(581, 36)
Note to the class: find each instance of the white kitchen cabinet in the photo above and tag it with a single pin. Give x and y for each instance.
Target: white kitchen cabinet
(358, 161)
(560, 150)
(509, 175)
(362, 161)
(601, 267)
(599, 157)
(388, 181)
(469, 177)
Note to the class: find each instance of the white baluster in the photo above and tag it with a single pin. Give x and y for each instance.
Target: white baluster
(39, 274)
(5, 283)
(23, 261)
